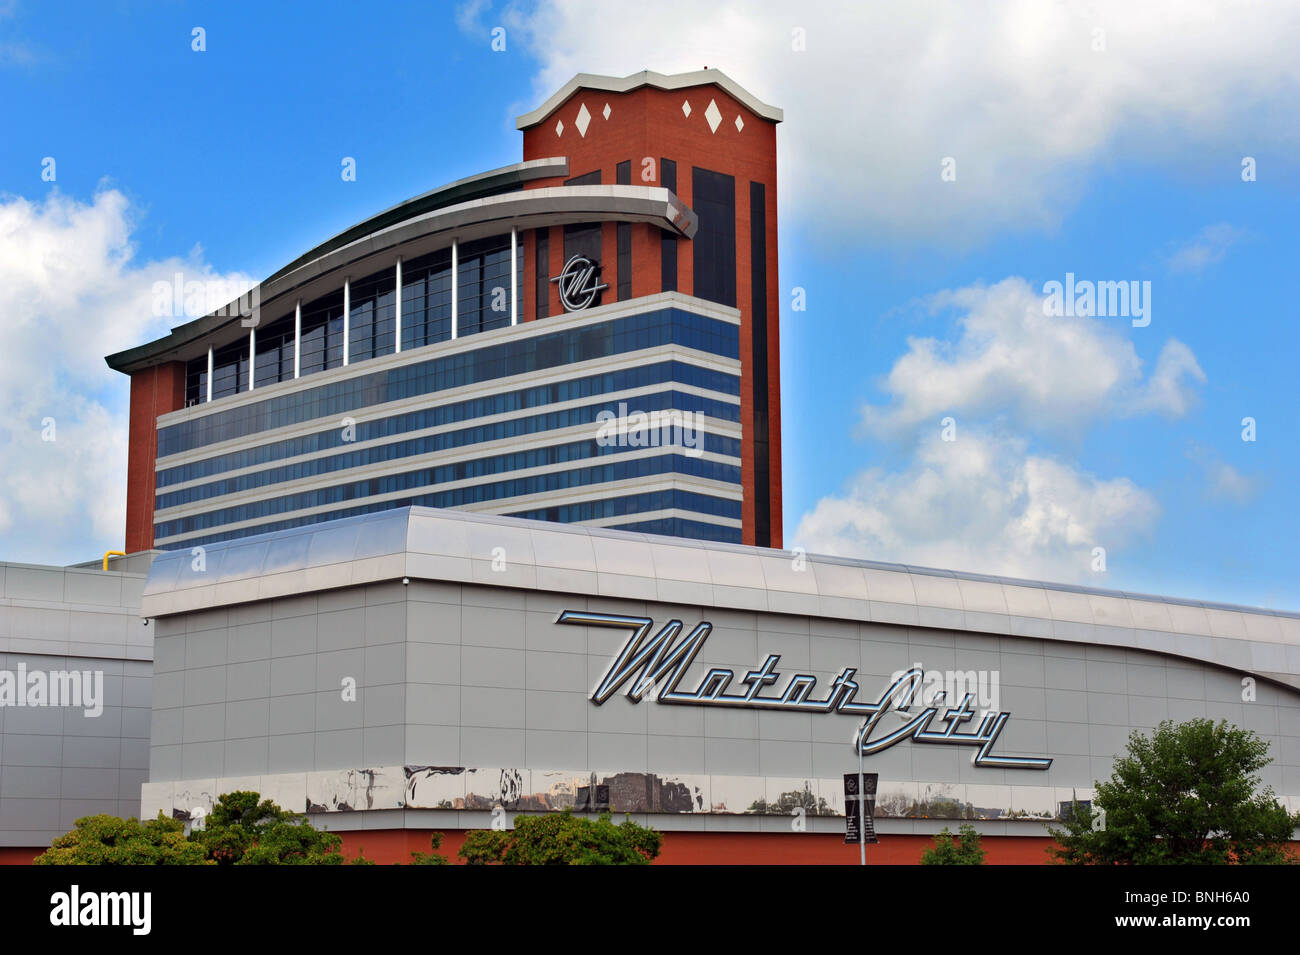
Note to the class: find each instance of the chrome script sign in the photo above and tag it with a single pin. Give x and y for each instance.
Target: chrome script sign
(657, 665)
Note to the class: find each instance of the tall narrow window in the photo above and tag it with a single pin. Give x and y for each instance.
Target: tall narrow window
(623, 177)
(543, 273)
(372, 322)
(230, 369)
(584, 239)
(196, 380)
(668, 246)
(758, 362)
(713, 196)
(483, 285)
(274, 352)
(426, 300)
(322, 333)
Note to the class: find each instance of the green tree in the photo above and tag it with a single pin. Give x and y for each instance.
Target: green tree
(244, 829)
(110, 840)
(965, 850)
(563, 839)
(430, 858)
(1187, 794)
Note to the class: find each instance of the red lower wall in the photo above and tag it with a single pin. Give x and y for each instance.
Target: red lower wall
(389, 846)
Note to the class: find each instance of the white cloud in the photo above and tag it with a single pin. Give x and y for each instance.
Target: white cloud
(470, 13)
(1206, 248)
(71, 292)
(982, 503)
(986, 501)
(1168, 391)
(1223, 482)
(1039, 372)
(1013, 91)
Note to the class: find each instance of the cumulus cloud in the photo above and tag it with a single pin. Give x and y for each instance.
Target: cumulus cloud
(1168, 391)
(982, 503)
(1206, 248)
(988, 500)
(1016, 93)
(1040, 372)
(1223, 482)
(71, 292)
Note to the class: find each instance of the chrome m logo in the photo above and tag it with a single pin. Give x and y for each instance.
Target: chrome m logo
(578, 283)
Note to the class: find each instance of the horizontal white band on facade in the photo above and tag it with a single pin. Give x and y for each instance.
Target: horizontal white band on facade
(464, 393)
(597, 366)
(523, 502)
(380, 469)
(558, 497)
(665, 514)
(456, 346)
(610, 489)
(721, 426)
(332, 793)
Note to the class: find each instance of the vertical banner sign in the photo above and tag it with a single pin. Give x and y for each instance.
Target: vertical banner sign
(852, 809)
(869, 781)
(860, 809)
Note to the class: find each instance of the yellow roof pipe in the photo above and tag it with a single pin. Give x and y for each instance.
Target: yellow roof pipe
(112, 553)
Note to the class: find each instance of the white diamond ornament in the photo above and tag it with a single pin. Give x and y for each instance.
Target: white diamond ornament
(713, 115)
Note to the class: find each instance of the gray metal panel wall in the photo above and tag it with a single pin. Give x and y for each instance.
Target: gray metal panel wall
(56, 763)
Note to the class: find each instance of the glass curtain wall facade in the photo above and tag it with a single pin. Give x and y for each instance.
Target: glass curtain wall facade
(480, 432)
(483, 292)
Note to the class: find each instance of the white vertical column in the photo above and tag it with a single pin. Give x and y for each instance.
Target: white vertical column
(252, 356)
(210, 369)
(347, 317)
(297, 338)
(455, 283)
(397, 309)
(514, 276)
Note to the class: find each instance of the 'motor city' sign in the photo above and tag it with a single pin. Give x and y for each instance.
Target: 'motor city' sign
(658, 664)
(578, 285)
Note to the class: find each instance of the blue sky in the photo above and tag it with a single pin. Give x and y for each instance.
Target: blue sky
(1118, 163)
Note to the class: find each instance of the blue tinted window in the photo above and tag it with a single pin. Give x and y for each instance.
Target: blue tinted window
(621, 470)
(322, 336)
(637, 332)
(426, 300)
(372, 316)
(634, 504)
(681, 527)
(679, 499)
(463, 437)
(521, 400)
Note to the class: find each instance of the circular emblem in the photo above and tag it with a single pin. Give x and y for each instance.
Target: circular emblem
(579, 283)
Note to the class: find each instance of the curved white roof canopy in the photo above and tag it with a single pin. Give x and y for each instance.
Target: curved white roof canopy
(458, 546)
(360, 252)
